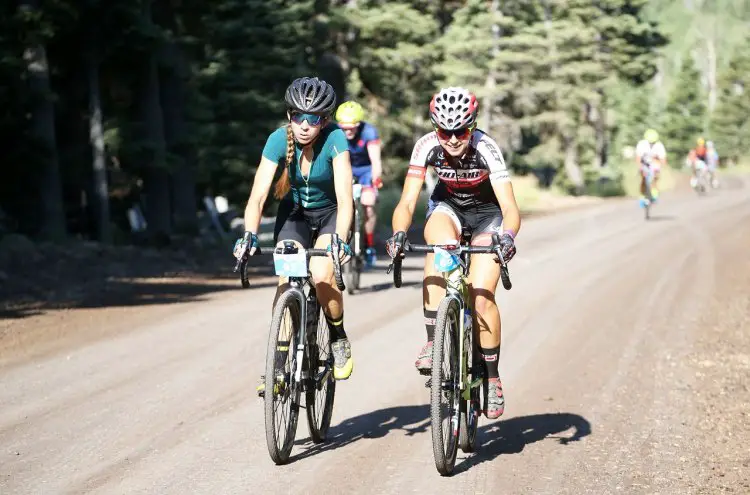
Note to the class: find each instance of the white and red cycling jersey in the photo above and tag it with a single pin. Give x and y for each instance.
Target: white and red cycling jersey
(466, 181)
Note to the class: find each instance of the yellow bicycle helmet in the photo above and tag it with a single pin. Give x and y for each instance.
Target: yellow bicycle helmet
(701, 141)
(350, 112)
(651, 136)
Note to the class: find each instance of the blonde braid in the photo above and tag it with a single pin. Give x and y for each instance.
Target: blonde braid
(284, 184)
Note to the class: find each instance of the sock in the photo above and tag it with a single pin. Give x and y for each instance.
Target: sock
(336, 328)
(490, 358)
(429, 323)
(370, 236)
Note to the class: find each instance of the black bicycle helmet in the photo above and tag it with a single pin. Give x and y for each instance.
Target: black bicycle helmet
(311, 95)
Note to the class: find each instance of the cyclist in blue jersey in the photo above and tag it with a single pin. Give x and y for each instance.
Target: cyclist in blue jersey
(364, 151)
(315, 190)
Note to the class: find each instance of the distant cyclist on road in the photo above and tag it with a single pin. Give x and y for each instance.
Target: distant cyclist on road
(699, 159)
(364, 149)
(712, 160)
(650, 152)
(315, 190)
(473, 191)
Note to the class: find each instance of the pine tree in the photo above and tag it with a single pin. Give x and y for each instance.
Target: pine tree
(730, 123)
(391, 54)
(256, 49)
(685, 113)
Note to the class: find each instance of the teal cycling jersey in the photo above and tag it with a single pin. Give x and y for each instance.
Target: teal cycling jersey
(317, 190)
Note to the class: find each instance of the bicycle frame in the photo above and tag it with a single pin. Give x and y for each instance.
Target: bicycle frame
(457, 288)
(296, 286)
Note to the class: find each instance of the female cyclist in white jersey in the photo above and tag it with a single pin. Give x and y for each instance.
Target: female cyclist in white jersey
(473, 192)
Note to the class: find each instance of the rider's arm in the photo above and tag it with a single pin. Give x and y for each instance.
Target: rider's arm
(274, 152)
(342, 181)
(404, 211)
(501, 185)
(259, 193)
(373, 150)
(507, 199)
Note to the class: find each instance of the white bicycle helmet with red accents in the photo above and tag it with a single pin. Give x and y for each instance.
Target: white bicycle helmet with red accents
(454, 108)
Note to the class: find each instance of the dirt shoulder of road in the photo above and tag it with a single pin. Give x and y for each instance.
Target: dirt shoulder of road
(720, 362)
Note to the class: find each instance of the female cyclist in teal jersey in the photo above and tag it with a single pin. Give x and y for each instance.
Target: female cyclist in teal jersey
(315, 190)
(473, 192)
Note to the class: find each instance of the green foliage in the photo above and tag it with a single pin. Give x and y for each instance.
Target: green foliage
(685, 114)
(730, 123)
(564, 86)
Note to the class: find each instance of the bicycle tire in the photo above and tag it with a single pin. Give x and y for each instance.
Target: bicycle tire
(469, 410)
(445, 446)
(649, 200)
(319, 428)
(354, 267)
(279, 452)
(352, 271)
(244, 279)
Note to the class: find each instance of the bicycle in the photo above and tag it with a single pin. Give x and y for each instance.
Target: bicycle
(701, 178)
(648, 174)
(298, 358)
(354, 268)
(460, 383)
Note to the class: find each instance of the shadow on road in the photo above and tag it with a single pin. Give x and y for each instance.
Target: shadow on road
(377, 424)
(513, 435)
(126, 292)
(495, 439)
(386, 286)
(661, 218)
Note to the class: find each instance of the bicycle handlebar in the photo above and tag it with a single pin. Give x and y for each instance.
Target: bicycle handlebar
(429, 248)
(310, 253)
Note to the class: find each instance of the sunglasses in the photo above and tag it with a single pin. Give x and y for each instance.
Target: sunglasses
(460, 134)
(311, 119)
(349, 127)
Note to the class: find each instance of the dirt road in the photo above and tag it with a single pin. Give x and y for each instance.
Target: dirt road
(625, 359)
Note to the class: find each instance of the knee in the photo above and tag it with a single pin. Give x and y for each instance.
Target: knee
(484, 306)
(322, 271)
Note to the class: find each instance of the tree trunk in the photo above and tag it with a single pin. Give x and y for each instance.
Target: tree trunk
(490, 83)
(156, 177)
(52, 223)
(174, 95)
(572, 169)
(600, 128)
(96, 135)
(711, 56)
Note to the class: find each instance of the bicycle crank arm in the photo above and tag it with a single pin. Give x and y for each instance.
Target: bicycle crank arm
(322, 377)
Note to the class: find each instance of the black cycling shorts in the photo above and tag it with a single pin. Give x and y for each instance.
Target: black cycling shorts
(293, 222)
(481, 219)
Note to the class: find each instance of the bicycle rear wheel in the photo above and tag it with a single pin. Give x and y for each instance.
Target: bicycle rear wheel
(353, 269)
(282, 393)
(467, 435)
(445, 395)
(321, 386)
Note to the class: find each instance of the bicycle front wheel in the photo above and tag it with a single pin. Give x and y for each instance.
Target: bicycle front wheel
(467, 435)
(444, 384)
(244, 278)
(321, 386)
(282, 393)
